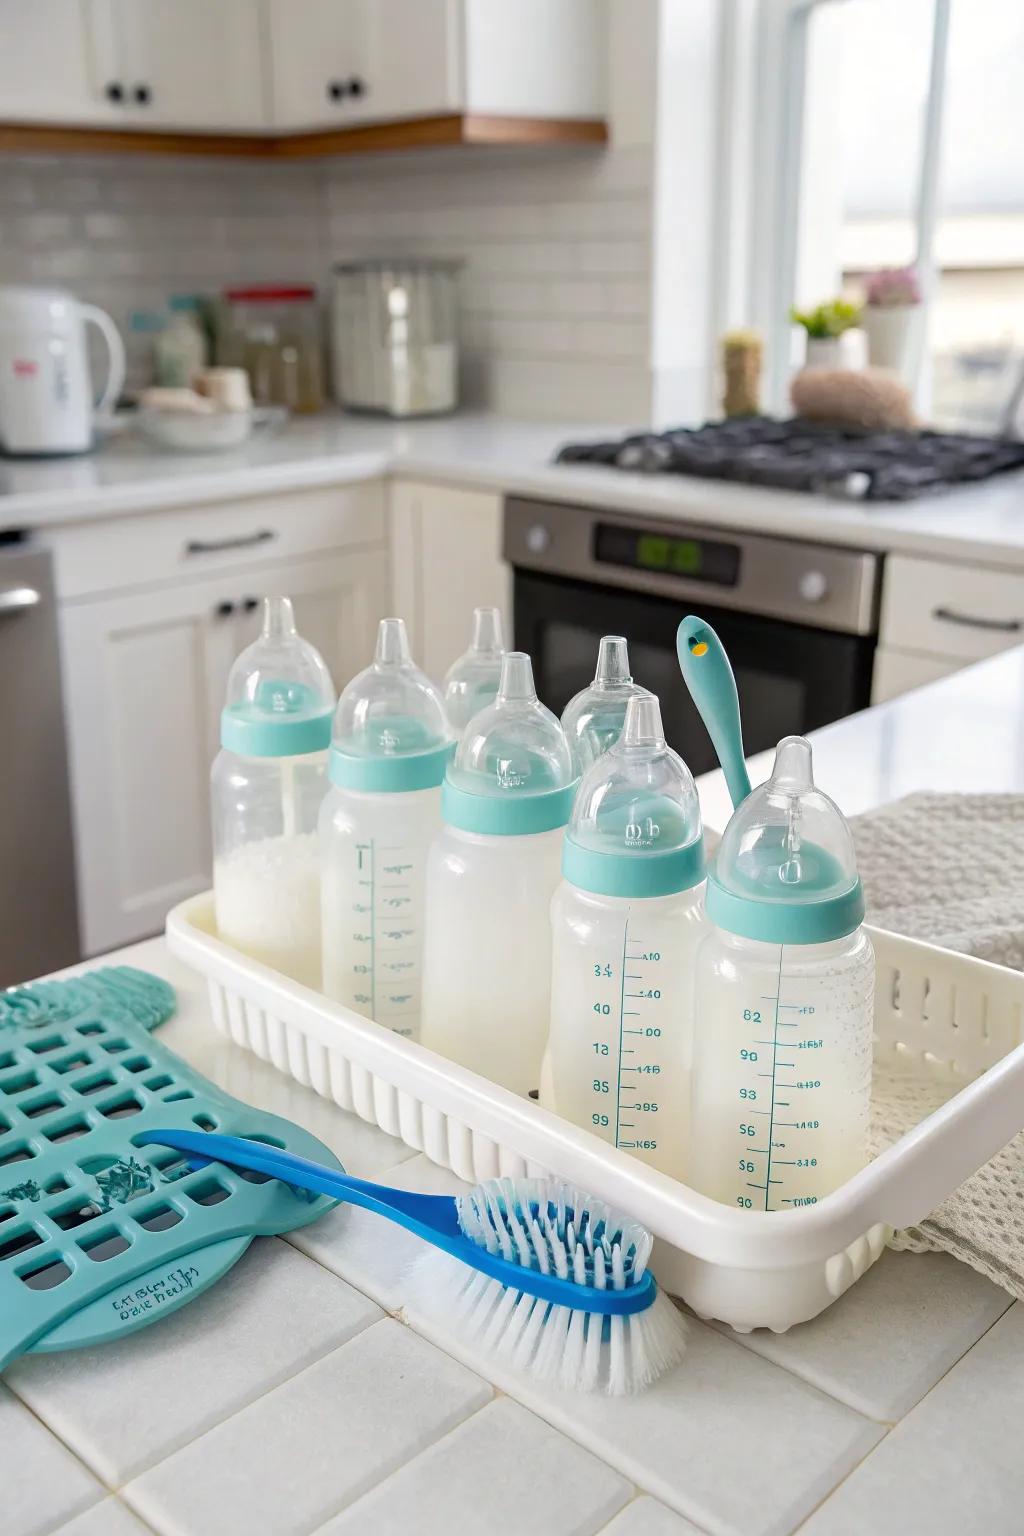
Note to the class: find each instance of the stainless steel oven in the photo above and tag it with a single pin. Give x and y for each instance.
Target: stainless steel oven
(799, 620)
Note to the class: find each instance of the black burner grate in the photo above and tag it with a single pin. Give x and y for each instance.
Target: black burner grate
(805, 456)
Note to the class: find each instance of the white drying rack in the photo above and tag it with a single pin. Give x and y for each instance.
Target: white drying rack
(948, 1015)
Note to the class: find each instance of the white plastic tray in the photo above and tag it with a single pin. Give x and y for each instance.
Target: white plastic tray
(953, 1016)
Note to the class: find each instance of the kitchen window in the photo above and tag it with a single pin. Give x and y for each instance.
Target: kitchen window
(886, 133)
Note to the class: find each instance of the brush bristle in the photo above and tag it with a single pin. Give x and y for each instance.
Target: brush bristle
(548, 1227)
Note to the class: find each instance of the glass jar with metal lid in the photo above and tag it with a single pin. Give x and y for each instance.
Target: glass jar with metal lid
(394, 344)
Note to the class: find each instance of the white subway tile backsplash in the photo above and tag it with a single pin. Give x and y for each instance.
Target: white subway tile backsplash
(550, 241)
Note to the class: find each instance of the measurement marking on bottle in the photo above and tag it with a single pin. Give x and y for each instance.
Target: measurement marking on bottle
(622, 1005)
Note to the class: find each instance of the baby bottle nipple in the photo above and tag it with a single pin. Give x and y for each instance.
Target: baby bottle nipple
(472, 681)
(279, 695)
(390, 730)
(593, 720)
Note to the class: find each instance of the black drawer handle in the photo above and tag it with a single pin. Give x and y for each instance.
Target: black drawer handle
(214, 546)
(972, 621)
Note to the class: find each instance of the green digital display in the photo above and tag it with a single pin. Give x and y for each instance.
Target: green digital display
(683, 557)
(663, 554)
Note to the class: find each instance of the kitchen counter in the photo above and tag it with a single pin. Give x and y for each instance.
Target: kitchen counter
(984, 522)
(293, 1398)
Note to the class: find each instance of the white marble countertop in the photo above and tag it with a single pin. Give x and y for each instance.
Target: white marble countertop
(984, 522)
(294, 1397)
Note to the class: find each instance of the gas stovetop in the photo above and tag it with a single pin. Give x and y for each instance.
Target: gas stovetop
(805, 456)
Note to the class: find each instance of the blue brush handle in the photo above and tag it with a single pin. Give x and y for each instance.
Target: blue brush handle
(709, 677)
(431, 1217)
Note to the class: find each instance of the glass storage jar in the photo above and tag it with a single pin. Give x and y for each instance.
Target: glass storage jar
(274, 333)
(394, 345)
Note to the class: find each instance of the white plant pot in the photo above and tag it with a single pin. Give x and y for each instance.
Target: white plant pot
(848, 350)
(888, 329)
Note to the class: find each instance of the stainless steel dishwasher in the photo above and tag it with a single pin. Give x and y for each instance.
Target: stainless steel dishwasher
(38, 910)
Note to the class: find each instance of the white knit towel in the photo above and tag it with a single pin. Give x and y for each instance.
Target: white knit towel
(950, 869)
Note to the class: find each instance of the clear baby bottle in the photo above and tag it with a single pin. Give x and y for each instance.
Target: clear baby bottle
(266, 787)
(593, 719)
(491, 874)
(626, 922)
(784, 1001)
(390, 746)
(472, 682)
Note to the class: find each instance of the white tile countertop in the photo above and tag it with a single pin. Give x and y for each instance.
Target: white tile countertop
(126, 476)
(299, 1397)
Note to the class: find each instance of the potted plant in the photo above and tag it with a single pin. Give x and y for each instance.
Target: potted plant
(834, 339)
(893, 294)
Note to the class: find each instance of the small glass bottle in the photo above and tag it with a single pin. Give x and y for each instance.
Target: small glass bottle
(784, 1002)
(390, 746)
(491, 874)
(593, 719)
(267, 783)
(472, 682)
(626, 922)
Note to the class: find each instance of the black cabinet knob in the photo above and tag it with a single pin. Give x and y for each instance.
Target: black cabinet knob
(335, 90)
(114, 91)
(250, 604)
(356, 87)
(224, 610)
(143, 95)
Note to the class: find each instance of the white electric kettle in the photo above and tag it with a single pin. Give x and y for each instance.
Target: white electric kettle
(46, 404)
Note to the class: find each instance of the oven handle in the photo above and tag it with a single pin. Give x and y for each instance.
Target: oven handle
(972, 621)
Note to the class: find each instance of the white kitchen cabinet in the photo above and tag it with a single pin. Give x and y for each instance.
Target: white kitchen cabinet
(446, 560)
(340, 62)
(897, 672)
(337, 63)
(938, 616)
(47, 64)
(181, 63)
(144, 678)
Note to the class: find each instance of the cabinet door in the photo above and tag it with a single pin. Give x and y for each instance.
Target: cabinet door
(138, 713)
(144, 682)
(189, 64)
(446, 561)
(48, 67)
(338, 62)
(898, 672)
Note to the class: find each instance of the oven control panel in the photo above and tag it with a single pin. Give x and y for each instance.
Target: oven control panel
(814, 584)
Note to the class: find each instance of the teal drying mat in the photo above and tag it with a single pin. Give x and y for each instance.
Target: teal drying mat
(100, 1234)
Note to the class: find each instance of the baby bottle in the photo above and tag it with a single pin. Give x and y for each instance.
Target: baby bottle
(472, 682)
(490, 877)
(784, 1001)
(626, 922)
(593, 719)
(388, 754)
(266, 787)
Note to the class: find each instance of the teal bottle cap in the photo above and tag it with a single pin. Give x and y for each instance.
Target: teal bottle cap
(471, 682)
(280, 698)
(636, 827)
(512, 772)
(785, 870)
(390, 730)
(594, 718)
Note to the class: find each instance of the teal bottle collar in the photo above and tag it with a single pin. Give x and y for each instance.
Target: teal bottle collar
(389, 775)
(634, 874)
(781, 922)
(248, 730)
(516, 816)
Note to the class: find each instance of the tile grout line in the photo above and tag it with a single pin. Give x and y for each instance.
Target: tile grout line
(351, 1503)
(895, 1424)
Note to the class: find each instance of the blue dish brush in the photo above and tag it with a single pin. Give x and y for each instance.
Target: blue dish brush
(547, 1279)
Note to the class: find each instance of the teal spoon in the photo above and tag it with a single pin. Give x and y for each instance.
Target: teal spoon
(709, 677)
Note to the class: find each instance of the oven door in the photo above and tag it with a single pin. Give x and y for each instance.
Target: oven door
(791, 678)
